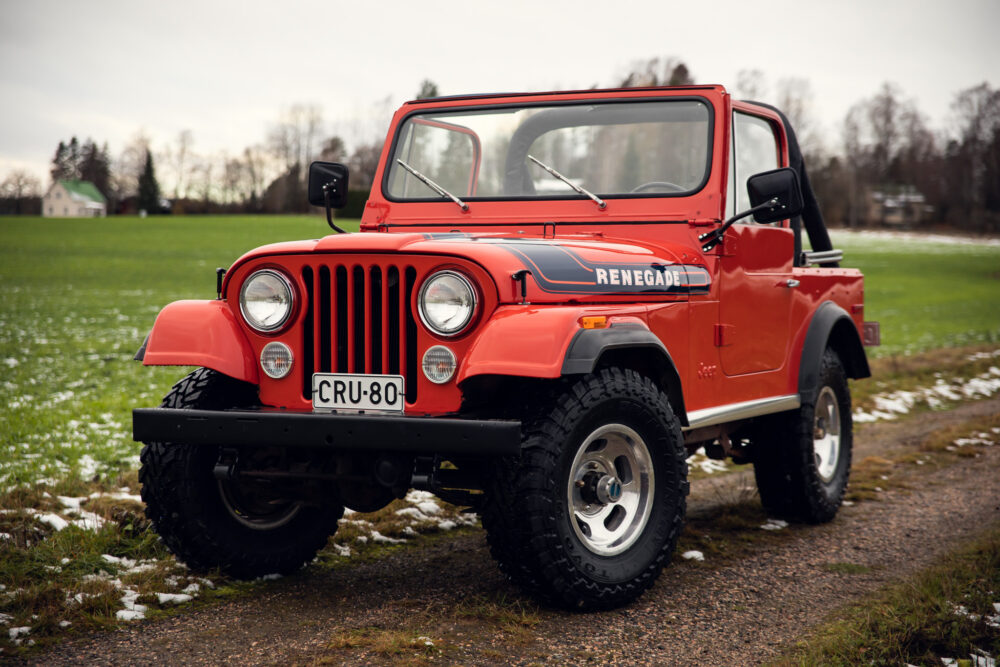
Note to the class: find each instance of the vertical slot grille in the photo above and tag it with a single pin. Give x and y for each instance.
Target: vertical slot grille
(358, 320)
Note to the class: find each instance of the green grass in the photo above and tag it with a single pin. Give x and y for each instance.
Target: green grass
(918, 621)
(927, 294)
(77, 298)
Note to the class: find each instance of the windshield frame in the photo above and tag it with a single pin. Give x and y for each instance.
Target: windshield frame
(570, 195)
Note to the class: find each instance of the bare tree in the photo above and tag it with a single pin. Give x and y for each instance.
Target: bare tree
(657, 72)
(19, 187)
(293, 138)
(976, 154)
(178, 161)
(794, 98)
(883, 115)
(255, 163)
(751, 84)
(131, 162)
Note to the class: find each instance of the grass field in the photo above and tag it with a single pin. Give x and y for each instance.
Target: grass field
(77, 297)
(927, 292)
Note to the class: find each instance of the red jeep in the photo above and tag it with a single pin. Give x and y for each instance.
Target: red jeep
(548, 307)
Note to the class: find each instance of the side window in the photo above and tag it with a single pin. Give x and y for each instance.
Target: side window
(755, 149)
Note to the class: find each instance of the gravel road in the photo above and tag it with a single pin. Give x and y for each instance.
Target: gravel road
(739, 612)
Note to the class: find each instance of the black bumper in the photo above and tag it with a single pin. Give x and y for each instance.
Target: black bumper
(373, 433)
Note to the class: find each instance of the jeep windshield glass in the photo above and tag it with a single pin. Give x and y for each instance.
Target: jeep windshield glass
(620, 149)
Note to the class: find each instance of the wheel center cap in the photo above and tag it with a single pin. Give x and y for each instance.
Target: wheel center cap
(609, 489)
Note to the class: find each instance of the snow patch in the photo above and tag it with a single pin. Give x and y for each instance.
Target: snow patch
(173, 598)
(379, 537)
(344, 551)
(701, 461)
(693, 555)
(894, 404)
(774, 524)
(53, 520)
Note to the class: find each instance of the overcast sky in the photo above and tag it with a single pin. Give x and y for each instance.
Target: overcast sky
(226, 70)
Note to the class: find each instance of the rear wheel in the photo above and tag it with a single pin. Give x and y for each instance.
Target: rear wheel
(591, 511)
(244, 528)
(802, 459)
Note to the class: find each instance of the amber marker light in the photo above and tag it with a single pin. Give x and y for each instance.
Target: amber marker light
(594, 322)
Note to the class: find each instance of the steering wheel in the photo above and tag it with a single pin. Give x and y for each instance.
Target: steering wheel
(671, 187)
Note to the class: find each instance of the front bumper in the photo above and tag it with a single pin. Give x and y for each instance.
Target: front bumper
(348, 432)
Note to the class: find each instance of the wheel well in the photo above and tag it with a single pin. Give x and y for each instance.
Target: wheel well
(509, 396)
(504, 396)
(652, 363)
(845, 342)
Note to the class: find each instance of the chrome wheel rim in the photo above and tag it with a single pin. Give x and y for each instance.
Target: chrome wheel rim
(256, 513)
(610, 489)
(826, 434)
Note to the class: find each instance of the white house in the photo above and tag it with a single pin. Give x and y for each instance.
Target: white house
(74, 199)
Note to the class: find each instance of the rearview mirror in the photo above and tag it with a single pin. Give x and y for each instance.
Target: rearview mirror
(328, 178)
(779, 184)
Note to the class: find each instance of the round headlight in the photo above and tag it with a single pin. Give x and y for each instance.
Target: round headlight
(447, 303)
(266, 300)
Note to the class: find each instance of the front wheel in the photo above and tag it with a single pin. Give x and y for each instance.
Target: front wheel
(802, 459)
(591, 512)
(246, 529)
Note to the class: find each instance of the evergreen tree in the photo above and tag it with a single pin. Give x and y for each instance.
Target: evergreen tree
(149, 189)
(95, 167)
(427, 89)
(73, 159)
(60, 169)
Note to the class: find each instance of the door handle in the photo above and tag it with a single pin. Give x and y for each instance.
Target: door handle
(791, 282)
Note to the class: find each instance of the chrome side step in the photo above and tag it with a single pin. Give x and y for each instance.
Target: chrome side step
(723, 414)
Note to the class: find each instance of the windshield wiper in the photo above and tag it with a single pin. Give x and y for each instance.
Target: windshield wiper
(600, 202)
(432, 185)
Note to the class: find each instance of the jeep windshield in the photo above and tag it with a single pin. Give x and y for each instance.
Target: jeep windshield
(621, 149)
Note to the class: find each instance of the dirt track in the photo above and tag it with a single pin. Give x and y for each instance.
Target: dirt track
(740, 612)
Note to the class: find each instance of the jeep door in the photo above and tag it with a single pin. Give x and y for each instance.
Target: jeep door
(756, 265)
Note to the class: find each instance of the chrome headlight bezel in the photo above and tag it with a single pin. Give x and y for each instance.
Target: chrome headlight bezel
(429, 321)
(252, 322)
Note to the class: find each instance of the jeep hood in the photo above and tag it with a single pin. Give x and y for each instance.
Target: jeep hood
(584, 267)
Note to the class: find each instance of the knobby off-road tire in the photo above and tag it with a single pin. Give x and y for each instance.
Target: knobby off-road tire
(557, 524)
(802, 459)
(210, 524)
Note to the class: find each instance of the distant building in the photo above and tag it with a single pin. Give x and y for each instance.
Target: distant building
(74, 199)
(898, 207)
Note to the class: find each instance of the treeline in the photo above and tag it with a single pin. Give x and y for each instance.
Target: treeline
(884, 164)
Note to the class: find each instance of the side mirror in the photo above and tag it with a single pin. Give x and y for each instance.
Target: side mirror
(328, 178)
(781, 184)
(774, 195)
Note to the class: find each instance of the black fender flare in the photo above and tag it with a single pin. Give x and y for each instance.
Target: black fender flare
(830, 326)
(635, 347)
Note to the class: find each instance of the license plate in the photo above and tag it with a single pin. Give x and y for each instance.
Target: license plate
(349, 391)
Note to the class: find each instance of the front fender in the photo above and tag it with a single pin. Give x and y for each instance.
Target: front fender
(201, 333)
(523, 340)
